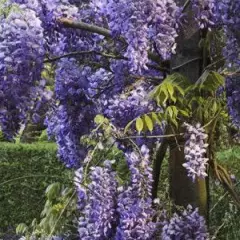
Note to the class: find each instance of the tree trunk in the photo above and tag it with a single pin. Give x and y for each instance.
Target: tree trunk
(182, 190)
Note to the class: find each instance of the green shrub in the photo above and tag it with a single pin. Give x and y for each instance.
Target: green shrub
(25, 172)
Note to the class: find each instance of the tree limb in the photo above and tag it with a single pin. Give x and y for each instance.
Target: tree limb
(68, 23)
(74, 54)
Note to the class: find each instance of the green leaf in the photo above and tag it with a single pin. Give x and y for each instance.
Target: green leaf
(184, 113)
(219, 77)
(165, 91)
(139, 124)
(148, 122)
(99, 119)
(174, 121)
(180, 90)
(175, 111)
(21, 228)
(214, 107)
(169, 112)
(53, 191)
(127, 127)
(155, 118)
(171, 91)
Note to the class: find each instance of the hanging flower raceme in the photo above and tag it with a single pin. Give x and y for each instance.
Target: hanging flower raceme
(134, 201)
(227, 14)
(21, 61)
(204, 11)
(189, 225)
(97, 203)
(195, 150)
(108, 212)
(143, 24)
(123, 108)
(233, 98)
(74, 114)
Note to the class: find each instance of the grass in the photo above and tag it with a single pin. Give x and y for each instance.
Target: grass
(224, 214)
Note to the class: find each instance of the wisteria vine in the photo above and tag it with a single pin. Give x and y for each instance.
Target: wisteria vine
(112, 83)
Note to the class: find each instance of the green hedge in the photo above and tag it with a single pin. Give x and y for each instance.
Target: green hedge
(25, 172)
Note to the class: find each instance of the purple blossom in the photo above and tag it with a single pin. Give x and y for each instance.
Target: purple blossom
(189, 225)
(21, 61)
(100, 217)
(204, 11)
(143, 24)
(134, 202)
(195, 150)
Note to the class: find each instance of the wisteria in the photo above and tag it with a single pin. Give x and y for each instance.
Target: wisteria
(188, 225)
(100, 217)
(195, 151)
(143, 24)
(134, 203)
(110, 74)
(204, 13)
(117, 213)
(123, 108)
(73, 116)
(226, 12)
(233, 95)
(21, 61)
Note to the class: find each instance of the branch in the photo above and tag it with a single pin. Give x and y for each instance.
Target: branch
(153, 136)
(186, 63)
(68, 23)
(186, 4)
(74, 54)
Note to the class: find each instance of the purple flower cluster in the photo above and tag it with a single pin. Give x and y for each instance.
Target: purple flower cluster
(143, 24)
(233, 98)
(108, 212)
(164, 26)
(130, 20)
(99, 216)
(189, 225)
(204, 11)
(227, 14)
(21, 61)
(195, 150)
(73, 116)
(125, 107)
(134, 201)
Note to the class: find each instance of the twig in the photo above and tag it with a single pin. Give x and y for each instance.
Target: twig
(30, 176)
(186, 4)
(217, 231)
(74, 54)
(153, 136)
(62, 212)
(68, 23)
(185, 63)
(221, 198)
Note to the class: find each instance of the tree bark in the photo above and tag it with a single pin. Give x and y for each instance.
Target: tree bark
(182, 190)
